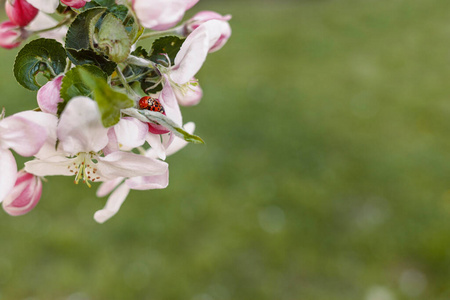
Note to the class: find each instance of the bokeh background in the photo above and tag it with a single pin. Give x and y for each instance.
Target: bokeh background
(325, 174)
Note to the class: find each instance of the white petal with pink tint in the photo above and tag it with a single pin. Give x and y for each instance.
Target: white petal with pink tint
(160, 14)
(192, 97)
(126, 164)
(24, 196)
(49, 123)
(48, 95)
(80, 128)
(154, 140)
(8, 172)
(48, 6)
(113, 204)
(130, 132)
(149, 182)
(44, 21)
(22, 135)
(108, 186)
(170, 103)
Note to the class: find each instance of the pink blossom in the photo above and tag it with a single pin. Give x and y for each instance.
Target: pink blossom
(11, 35)
(194, 50)
(205, 16)
(191, 97)
(20, 12)
(119, 188)
(75, 3)
(161, 14)
(24, 196)
(24, 137)
(48, 95)
(81, 138)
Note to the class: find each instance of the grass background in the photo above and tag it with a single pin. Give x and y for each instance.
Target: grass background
(326, 173)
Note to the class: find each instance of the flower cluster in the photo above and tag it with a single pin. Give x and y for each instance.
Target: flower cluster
(110, 110)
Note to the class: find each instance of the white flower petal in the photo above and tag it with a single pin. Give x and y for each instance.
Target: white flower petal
(126, 164)
(80, 128)
(113, 204)
(154, 140)
(55, 165)
(113, 145)
(48, 6)
(8, 172)
(191, 97)
(160, 14)
(44, 21)
(22, 135)
(47, 121)
(108, 186)
(170, 103)
(194, 50)
(179, 143)
(131, 132)
(149, 182)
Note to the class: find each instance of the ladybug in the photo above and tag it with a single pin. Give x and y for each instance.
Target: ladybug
(152, 104)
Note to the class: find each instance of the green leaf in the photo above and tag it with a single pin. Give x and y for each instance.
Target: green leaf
(141, 52)
(106, 3)
(82, 28)
(120, 11)
(83, 56)
(113, 39)
(160, 119)
(43, 55)
(73, 85)
(169, 45)
(109, 101)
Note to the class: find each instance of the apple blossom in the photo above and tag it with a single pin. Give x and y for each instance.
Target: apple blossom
(24, 196)
(48, 95)
(204, 16)
(81, 138)
(110, 110)
(24, 137)
(11, 35)
(47, 6)
(20, 12)
(120, 187)
(75, 3)
(43, 22)
(161, 14)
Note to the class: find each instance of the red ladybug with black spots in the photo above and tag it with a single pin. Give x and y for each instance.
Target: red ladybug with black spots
(152, 104)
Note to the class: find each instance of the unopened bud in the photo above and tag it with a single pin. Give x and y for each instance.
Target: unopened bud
(24, 196)
(20, 12)
(11, 35)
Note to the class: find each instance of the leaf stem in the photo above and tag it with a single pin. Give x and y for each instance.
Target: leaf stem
(62, 23)
(178, 31)
(123, 80)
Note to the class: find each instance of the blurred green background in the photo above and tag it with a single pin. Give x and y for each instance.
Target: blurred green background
(326, 173)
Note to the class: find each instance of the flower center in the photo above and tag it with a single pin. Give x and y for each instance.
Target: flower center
(84, 168)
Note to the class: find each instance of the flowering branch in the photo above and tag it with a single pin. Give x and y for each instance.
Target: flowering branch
(110, 110)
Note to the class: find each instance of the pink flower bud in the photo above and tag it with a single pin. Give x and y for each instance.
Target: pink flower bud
(10, 35)
(20, 12)
(75, 3)
(24, 196)
(48, 95)
(205, 16)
